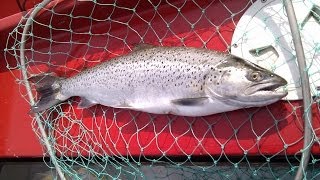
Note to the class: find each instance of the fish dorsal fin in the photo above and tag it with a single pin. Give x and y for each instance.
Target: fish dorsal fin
(143, 46)
(190, 101)
(86, 103)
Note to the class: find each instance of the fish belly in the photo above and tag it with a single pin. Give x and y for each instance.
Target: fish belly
(167, 107)
(163, 105)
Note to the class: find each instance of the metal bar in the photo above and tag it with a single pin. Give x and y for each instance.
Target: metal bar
(301, 173)
(28, 88)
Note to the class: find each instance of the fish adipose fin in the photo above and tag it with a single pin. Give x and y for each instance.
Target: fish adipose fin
(86, 103)
(190, 101)
(48, 89)
(142, 46)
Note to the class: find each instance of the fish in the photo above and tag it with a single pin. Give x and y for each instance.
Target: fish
(183, 81)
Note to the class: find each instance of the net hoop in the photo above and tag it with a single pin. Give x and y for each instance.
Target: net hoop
(28, 23)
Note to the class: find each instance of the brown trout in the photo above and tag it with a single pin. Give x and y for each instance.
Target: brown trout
(166, 80)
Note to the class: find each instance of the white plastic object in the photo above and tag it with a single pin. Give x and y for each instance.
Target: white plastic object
(263, 36)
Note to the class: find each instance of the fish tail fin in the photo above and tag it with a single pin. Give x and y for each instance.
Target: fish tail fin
(48, 87)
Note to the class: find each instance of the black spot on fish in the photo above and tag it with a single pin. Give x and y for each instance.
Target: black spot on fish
(204, 77)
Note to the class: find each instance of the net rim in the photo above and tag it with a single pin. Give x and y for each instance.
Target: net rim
(28, 23)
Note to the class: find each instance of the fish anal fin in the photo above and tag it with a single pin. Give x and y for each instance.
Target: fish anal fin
(86, 103)
(190, 101)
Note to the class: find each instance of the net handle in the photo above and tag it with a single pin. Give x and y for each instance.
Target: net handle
(28, 88)
(307, 115)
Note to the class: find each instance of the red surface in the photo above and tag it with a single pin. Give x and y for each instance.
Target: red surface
(142, 135)
(16, 136)
(8, 8)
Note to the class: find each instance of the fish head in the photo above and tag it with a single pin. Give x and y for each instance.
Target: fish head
(240, 83)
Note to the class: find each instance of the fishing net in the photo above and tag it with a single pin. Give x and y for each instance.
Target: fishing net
(66, 37)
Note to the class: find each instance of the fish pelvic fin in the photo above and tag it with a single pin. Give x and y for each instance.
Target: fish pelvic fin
(48, 88)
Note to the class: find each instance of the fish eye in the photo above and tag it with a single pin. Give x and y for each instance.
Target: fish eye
(256, 76)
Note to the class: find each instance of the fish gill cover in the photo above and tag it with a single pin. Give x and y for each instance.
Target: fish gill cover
(67, 37)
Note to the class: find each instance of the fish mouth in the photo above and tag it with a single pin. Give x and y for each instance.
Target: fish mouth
(269, 89)
(259, 95)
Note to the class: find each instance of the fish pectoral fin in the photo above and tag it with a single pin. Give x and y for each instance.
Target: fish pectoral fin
(86, 103)
(190, 101)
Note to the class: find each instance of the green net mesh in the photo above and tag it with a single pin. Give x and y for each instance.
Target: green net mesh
(69, 36)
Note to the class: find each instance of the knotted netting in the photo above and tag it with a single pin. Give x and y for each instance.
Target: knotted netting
(68, 36)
